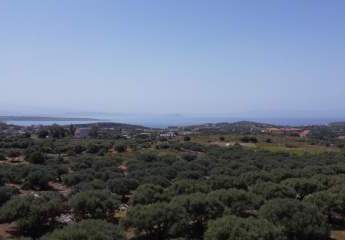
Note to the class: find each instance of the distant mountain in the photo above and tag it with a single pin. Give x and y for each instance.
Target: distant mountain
(111, 125)
(337, 124)
(247, 124)
(236, 124)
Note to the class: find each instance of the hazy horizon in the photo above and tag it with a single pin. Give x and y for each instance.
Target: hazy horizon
(282, 59)
(238, 115)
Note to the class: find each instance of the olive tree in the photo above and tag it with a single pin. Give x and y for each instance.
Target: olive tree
(298, 220)
(33, 214)
(98, 204)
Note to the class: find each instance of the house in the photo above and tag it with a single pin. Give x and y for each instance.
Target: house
(186, 133)
(123, 207)
(304, 133)
(82, 132)
(168, 134)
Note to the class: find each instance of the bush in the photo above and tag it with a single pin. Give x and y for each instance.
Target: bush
(6, 193)
(37, 179)
(43, 133)
(164, 145)
(13, 154)
(77, 177)
(291, 145)
(247, 139)
(122, 186)
(235, 228)
(239, 202)
(271, 190)
(189, 156)
(87, 229)
(303, 186)
(186, 138)
(89, 185)
(35, 157)
(153, 219)
(341, 145)
(329, 203)
(121, 148)
(93, 148)
(78, 149)
(195, 210)
(182, 187)
(148, 157)
(147, 194)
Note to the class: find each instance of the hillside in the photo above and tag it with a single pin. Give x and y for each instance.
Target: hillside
(235, 127)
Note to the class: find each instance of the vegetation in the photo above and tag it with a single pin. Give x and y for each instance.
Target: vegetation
(232, 184)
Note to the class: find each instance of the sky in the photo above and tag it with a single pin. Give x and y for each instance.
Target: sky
(269, 57)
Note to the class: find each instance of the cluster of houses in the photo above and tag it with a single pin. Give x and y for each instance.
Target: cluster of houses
(170, 132)
(13, 130)
(84, 132)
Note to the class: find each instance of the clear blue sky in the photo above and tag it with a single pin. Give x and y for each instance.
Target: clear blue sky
(175, 56)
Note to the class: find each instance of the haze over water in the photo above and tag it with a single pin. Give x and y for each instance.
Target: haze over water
(162, 121)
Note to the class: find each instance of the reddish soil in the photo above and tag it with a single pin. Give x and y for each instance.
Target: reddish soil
(14, 161)
(338, 235)
(21, 191)
(7, 230)
(62, 189)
